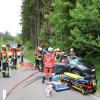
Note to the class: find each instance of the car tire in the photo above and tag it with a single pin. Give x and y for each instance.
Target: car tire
(84, 92)
(94, 91)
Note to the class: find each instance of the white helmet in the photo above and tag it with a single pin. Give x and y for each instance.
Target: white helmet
(71, 49)
(58, 49)
(39, 48)
(50, 49)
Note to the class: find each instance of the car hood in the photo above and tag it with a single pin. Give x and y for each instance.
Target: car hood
(86, 64)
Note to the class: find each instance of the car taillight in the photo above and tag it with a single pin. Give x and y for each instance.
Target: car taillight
(93, 82)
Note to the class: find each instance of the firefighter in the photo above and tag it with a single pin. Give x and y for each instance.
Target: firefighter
(5, 65)
(38, 58)
(0, 59)
(9, 52)
(49, 63)
(72, 53)
(14, 59)
(58, 55)
(22, 60)
(22, 56)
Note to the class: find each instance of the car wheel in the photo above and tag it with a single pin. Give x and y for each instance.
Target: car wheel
(94, 90)
(75, 71)
(84, 92)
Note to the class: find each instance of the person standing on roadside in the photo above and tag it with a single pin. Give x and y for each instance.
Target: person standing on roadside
(5, 65)
(49, 64)
(72, 53)
(58, 55)
(14, 58)
(22, 55)
(0, 59)
(38, 58)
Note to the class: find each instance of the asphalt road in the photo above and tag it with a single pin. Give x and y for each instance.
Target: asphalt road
(32, 88)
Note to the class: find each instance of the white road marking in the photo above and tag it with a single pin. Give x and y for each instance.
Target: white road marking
(4, 94)
(95, 97)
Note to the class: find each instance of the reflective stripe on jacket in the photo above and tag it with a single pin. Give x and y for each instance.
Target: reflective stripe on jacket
(4, 59)
(38, 55)
(49, 60)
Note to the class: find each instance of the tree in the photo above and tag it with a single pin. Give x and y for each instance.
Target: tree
(85, 26)
(62, 23)
(5, 38)
(58, 19)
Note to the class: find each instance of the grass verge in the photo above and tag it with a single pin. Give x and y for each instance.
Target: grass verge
(96, 62)
(29, 55)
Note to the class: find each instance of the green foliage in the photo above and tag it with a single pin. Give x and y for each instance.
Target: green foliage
(29, 55)
(96, 62)
(57, 31)
(26, 20)
(85, 27)
(18, 39)
(29, 45)
(63, 23)
(5, 38)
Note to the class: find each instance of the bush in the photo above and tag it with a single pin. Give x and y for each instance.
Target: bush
(29, 45)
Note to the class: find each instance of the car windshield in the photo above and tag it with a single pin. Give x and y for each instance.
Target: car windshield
(74, 61)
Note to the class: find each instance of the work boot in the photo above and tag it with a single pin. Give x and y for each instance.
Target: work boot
(43, 80)
(3, 74)
(50, 79)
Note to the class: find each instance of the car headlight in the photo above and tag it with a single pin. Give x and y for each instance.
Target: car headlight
(93, 70)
